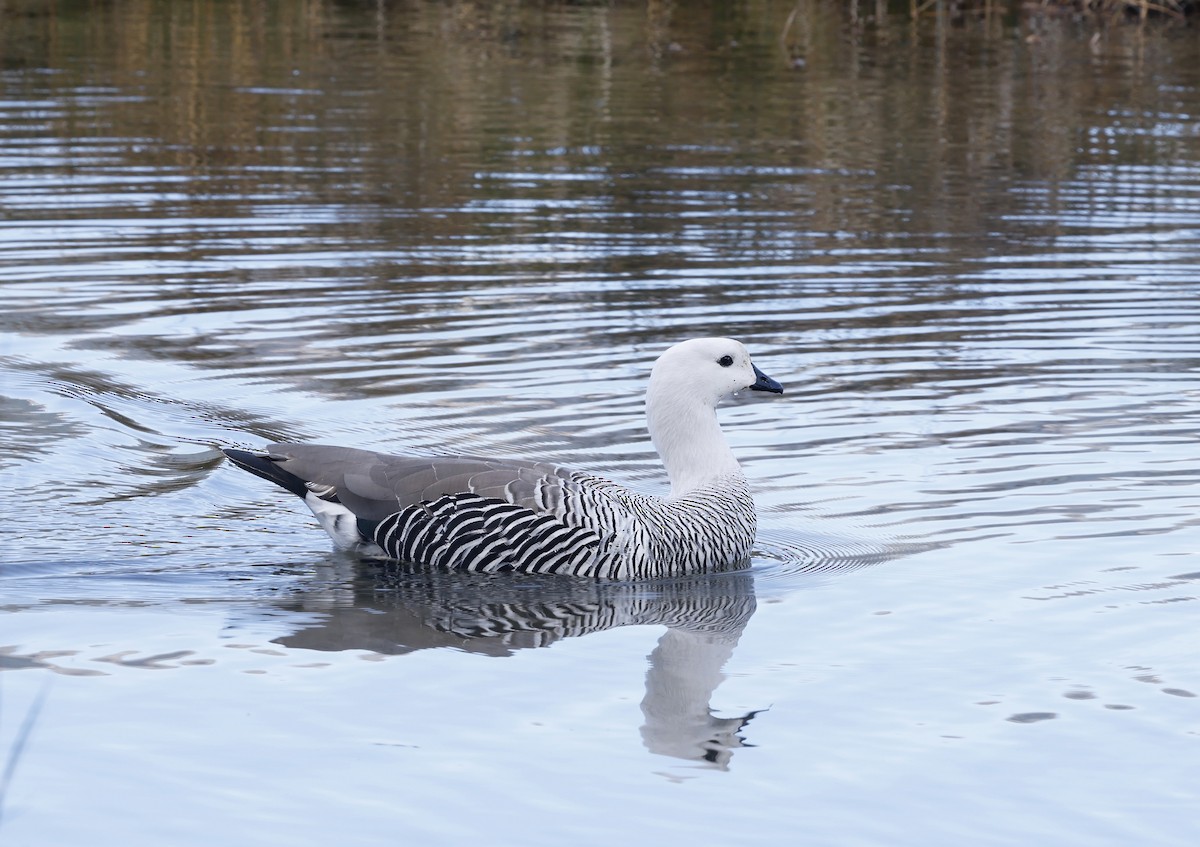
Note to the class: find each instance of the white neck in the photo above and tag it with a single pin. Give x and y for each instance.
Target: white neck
(688, 438)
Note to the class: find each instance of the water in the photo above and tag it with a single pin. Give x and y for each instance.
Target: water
(969, 250)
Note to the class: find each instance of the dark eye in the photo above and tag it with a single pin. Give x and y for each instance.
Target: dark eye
(725, 361)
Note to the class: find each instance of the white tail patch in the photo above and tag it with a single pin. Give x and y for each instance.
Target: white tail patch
(337, 520)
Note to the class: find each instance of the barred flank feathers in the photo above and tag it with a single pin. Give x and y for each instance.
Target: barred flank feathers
(597, 530)
(474, 533)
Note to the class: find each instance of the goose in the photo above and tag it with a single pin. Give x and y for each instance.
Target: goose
(492, 515)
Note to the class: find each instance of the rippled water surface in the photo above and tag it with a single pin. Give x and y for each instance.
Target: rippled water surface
(969, 249)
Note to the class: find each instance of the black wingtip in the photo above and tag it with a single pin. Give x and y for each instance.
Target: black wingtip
(264, 466)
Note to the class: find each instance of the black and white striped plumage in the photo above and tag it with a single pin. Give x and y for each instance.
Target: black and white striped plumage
(495, 515)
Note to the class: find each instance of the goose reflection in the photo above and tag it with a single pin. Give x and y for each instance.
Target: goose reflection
(393, 610)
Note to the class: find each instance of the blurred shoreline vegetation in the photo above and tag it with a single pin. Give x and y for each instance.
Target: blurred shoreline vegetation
(252, 32)
(505, 18)
(260, 96)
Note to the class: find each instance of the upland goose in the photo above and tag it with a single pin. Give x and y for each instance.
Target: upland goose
(504, 514)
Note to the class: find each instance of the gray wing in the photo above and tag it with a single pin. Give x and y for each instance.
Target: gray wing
(376, 485)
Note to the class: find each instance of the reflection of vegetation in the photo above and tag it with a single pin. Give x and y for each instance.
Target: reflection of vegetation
(460, 142)
(1101, 9)
(237, 91)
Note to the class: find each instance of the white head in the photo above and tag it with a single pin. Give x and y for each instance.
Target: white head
(686, 384)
